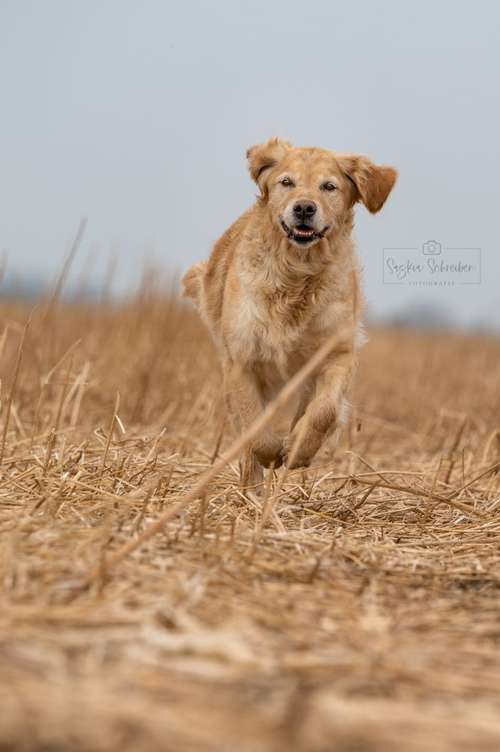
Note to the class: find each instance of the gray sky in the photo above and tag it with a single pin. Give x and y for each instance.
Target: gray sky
(137, 115)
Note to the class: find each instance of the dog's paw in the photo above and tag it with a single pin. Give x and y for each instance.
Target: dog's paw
(269, 450)
(297, 462)
(294, 461)
(296, 456)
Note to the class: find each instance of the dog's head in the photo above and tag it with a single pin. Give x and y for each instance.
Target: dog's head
(308, 192)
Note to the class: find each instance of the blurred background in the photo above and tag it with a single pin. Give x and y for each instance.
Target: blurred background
(137, 116)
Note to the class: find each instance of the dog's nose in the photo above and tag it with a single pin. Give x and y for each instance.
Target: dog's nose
(304, 210)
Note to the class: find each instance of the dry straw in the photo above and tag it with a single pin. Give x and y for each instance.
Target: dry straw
(149, 602)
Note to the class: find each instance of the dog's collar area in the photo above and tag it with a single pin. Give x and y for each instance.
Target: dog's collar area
(302, 234)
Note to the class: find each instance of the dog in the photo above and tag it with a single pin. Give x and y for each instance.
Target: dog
(279, 282)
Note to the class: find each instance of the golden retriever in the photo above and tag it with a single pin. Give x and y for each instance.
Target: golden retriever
(282, 279)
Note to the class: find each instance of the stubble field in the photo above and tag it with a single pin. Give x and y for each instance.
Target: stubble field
(352, 607)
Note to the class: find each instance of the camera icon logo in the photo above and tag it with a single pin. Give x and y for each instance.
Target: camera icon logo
(431, 248)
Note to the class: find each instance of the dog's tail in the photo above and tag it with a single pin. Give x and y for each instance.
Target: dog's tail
(192, 282)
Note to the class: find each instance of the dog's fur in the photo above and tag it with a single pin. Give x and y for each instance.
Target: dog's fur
(271, 293)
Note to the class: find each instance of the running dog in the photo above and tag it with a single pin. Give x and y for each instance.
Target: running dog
(282, 279)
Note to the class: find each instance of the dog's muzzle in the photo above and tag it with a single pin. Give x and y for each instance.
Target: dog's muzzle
(302, 233)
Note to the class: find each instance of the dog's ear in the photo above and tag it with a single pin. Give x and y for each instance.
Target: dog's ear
(263, 157)
(372, 183)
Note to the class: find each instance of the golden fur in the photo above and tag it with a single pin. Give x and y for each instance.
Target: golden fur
(270, 298)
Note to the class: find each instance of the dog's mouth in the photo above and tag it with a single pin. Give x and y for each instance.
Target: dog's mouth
(303, 234)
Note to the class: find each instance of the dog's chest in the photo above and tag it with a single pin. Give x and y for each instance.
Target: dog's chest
(272, 323)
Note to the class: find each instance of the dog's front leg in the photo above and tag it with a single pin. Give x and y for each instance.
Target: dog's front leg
(323, 414)
(245, 403)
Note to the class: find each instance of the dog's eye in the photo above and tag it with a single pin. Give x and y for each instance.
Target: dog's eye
(329, 186)
(287, 182)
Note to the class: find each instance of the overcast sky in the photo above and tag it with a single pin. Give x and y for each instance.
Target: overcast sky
(138, 114)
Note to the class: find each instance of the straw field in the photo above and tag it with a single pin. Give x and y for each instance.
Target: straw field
(352, 607)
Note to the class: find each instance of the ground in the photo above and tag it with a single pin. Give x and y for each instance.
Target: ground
(352, 608)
